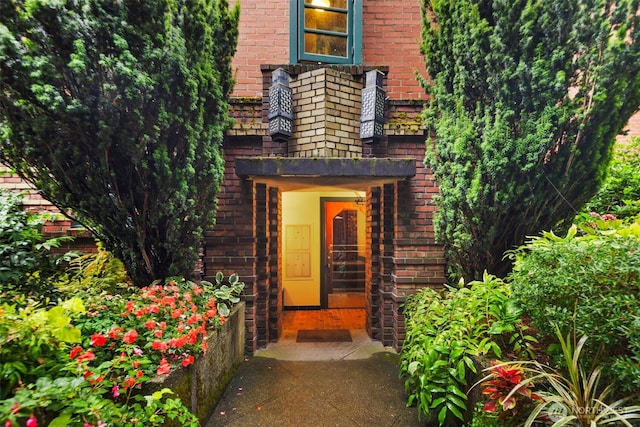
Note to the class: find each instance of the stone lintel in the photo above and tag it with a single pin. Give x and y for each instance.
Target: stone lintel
(330, 167)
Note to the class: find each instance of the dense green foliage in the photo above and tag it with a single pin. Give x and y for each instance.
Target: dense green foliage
(27, 264)
(446, 333)
(527, 98)
(587, 283)
(620, 193)
(84, 361)
(116, 111)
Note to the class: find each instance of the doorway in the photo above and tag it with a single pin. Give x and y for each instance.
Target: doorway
(343, 253)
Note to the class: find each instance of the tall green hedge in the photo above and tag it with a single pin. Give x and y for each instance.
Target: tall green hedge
(115, 111)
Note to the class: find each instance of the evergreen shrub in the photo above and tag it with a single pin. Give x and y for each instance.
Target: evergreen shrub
(587, 282)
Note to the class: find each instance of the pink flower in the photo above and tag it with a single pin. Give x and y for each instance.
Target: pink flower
(32, 421)
(130, 336)
(115, 390)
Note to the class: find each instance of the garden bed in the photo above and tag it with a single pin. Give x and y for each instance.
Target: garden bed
(201, 384)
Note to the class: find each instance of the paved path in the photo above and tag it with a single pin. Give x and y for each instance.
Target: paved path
(354, 384)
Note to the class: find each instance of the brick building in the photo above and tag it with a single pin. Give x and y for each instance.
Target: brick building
(320, 209)
(326, 201)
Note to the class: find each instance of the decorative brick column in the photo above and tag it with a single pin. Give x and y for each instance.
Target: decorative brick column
(230, 246)
(372, 268)
(275, 264)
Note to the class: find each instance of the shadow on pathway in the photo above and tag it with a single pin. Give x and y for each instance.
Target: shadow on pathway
(362, 390)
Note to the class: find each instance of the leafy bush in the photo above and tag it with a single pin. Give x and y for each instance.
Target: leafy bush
(588, 280)
(31, 341)
(572, 396)
(93, 273)
(446, 332)
(87, 360)
(620, 193)
(27, 264)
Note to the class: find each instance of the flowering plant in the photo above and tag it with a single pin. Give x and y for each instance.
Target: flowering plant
(125, 341)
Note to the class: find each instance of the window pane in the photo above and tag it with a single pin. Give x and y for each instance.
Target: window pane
(325, 20)
(323, 44)
(328, 3)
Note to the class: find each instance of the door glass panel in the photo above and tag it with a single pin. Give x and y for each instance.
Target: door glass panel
(345, 254)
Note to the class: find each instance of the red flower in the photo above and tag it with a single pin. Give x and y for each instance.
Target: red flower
(163, 325)
(129, 382)
(87, 355)
(193, 336)
(205, 346)
(151, 324)
(158, 333)
(154, 309)
(176, 313)
(130, 336)
(188, 360)
(164, 367)
(193, 319)
(130, 306)
(159, 345)
(75, 351)
(114, 333)
(98, 340)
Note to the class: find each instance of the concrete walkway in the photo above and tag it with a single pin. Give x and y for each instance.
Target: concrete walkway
(317, 384)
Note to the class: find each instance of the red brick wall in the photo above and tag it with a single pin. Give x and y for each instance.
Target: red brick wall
(263, 39)
(391, 36)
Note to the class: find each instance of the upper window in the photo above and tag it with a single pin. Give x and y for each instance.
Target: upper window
(328, 31)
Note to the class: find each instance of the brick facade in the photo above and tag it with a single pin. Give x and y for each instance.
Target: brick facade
(401, 254)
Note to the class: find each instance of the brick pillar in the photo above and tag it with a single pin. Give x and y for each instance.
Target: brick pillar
(275, 264)
(387, 286)
(230, 247)
(262, 264)
(417, 261)
(372, 269)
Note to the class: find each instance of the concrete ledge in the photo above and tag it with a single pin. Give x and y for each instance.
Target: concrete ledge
(200, 385)
(332, 166)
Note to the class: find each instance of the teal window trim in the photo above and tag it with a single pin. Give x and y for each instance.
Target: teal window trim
(297, 32)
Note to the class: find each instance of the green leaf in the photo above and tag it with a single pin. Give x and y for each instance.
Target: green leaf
(62, 420)
(442, 415)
